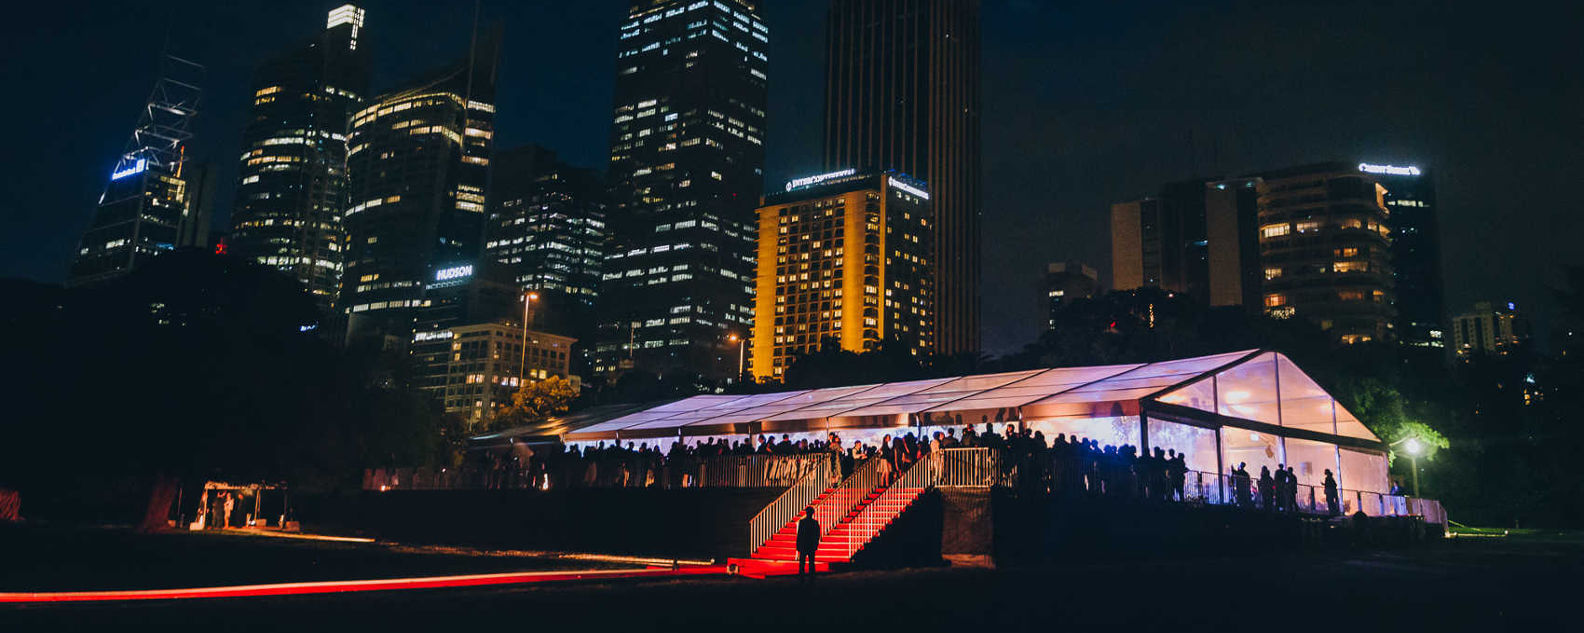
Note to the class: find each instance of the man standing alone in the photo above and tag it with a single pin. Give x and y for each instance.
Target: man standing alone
(808, 536)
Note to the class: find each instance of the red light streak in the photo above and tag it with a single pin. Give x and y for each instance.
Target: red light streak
(340, 586)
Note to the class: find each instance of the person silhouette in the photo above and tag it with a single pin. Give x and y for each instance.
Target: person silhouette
(1267, 489)
(808, 537)
(1333, 507)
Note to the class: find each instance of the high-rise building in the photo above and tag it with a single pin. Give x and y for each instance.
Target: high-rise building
(902, 92)
(686, 167)
(1066, 282)
(1415, 252)
(843, 256)
(292, 185)
(144, 210)
(1310, 241)
(1488, 330)
(418, 164)
(1165, 241)
(547, 229)
(1325, 250)
(202, 181)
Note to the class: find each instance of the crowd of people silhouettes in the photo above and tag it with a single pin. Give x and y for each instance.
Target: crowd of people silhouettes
(1068, 466)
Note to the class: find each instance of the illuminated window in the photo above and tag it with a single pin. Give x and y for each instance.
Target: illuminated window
(1275, 230)
(1272, 273)
(1275, 300)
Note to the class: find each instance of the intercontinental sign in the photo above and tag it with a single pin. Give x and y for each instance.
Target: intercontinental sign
(1388, 170)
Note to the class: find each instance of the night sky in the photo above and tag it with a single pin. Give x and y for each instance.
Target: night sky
(1085, 104)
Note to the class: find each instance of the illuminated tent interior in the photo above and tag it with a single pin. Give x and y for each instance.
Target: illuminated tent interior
(1253, 407)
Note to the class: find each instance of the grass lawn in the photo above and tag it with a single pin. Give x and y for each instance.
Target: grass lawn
(1520, 534)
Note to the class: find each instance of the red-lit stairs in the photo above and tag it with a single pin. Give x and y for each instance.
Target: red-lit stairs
(864, 519)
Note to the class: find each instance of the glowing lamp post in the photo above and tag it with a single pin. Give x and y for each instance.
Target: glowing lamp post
(1413, 448)
(522, 363)
(740, 341)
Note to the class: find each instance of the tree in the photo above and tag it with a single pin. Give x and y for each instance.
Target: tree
(194, 367)
(534, 402)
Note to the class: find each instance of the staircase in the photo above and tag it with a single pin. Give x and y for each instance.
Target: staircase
(852, 513)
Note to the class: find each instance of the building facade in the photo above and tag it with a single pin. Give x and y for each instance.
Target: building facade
(844, 257)
(1488, 330)
(145, 209)
(902, 92)
(418, 165)
(1194, 237)
(1311, 241)
(474, 369)
(1325, 251)
(292, 185)
(1416, 252)
(547, 229)
(686, 167)
(1066, 282)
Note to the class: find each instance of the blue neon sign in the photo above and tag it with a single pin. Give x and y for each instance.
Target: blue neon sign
(136, 168)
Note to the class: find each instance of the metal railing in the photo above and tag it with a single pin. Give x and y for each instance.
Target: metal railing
(979, 467)
(1212, 489)
(558, 472)
(790, 504)
(921, 476)
(836, 506)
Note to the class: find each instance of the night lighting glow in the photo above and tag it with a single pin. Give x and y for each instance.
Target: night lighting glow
(1388, 170)
(136, 168)
(454, 272)
(902, 186)
(809, 181)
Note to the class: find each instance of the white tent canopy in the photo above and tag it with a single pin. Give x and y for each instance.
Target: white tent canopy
(1259, 388)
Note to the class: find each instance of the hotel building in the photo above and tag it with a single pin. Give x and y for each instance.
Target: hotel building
(844, 257)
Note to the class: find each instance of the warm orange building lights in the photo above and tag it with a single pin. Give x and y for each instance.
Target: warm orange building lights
(842, 257)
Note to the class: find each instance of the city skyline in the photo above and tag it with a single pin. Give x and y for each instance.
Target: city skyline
(1048, 178)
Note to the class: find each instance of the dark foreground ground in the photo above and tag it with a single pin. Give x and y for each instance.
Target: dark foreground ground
(1470, 584)
(55, 558)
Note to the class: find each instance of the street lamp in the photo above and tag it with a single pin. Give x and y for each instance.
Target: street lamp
(1413, 448)
(740, 341)
(522, 363)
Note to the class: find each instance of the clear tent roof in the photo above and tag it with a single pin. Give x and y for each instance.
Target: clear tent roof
(1253, 385)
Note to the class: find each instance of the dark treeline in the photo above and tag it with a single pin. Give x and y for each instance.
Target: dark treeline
(194, 367)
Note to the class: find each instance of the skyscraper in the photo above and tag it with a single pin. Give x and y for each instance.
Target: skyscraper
(418, 164)
(1195, 237)
(1325, 249)
(843, 258)
(902, 92)
(547, 228)
(1309, 241)
(1416, 252)
(686, 167)
(144, 210)
(292, 184)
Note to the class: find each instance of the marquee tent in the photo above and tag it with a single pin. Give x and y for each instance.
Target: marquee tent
(1253, 407)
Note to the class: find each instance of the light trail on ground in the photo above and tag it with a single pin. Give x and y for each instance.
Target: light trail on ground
(343, 586)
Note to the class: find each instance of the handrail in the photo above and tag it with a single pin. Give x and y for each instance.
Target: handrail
(1214, 489)
(630, 471)
(977, 467)
(789, 505)
(879, 514)
(833, 511)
